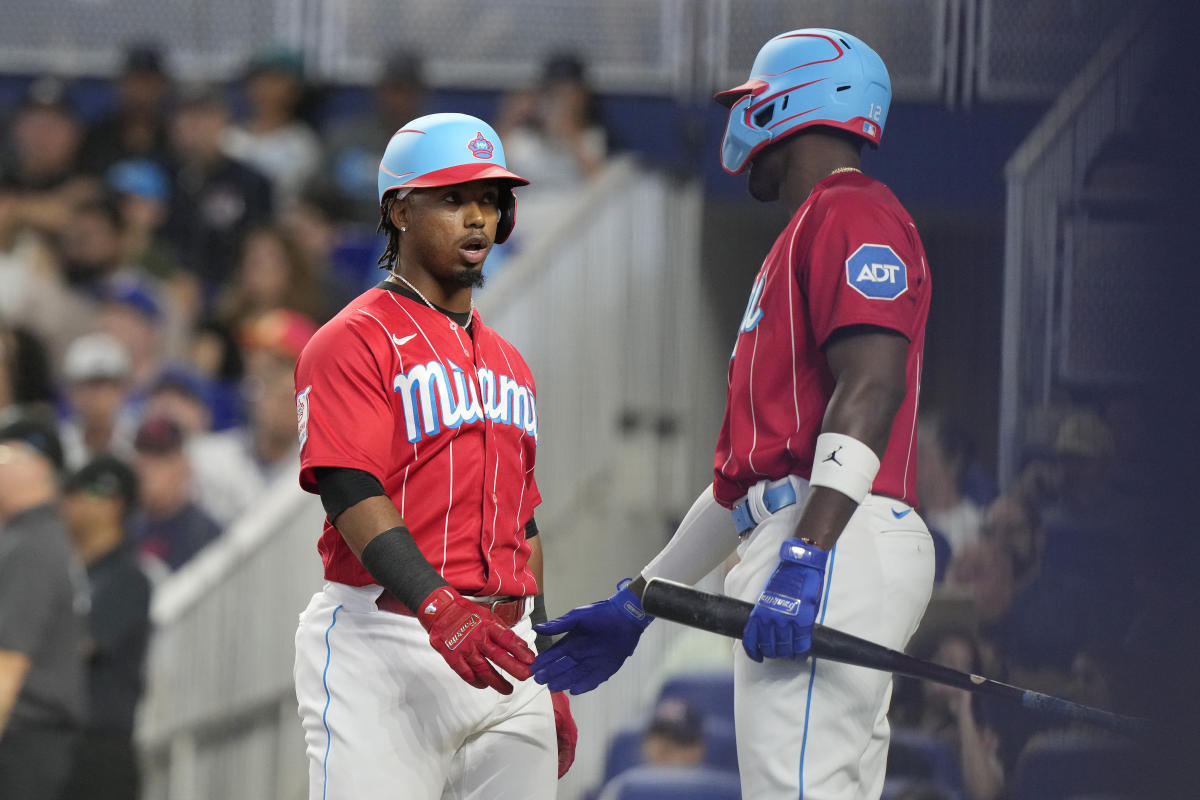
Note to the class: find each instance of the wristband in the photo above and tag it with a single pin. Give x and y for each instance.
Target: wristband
(396, 564)
(543, 642)
(844, 464)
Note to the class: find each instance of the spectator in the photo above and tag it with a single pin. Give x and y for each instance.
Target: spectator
(137, 128)
(274, 140)
(216, 199)
(1038, 626)
(93, 245)
(143, 190)
(554, 134)
(132, 313)
(168, 528)
(96, 369)
(271, 274)
(1013, 526)
(1094, 511)
(956, 716)
(98, 500)
(983, 571)
(28, 267)
(183, 396)
(43, 598)
(314, 224)
(54, 300)
(353, 148)
(943, 452)
(214, 354)
(46, 136)
(674, 737)
(233, 468)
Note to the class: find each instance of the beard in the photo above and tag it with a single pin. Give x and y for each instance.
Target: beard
(469, 278)
(762, 186)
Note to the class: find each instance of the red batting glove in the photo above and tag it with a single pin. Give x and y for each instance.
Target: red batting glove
(471, 638)
(564, 727)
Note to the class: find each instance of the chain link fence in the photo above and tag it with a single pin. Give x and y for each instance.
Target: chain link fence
(629, 45)
(912, 37)
(994, 50)
(202, 38)
(1030, 49)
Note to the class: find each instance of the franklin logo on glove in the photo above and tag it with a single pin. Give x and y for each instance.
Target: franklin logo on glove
(460, 634)
(780, 626)
(786, 605)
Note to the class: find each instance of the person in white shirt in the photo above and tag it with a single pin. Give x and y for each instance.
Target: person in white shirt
(274, 140)
(234, 467)
(942, 456)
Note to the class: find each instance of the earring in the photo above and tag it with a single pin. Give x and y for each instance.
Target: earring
(403, 229)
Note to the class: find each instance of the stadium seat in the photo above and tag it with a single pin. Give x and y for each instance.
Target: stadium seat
(1053, 769)
(625, 749)
(720, 746)
(710, 692)
(624, 752)
(913, 754)
(894, 788)
(673, 783)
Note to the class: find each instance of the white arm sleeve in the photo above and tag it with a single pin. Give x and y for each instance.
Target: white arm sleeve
(701, 542)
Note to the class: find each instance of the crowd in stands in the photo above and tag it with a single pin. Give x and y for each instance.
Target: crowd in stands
(163, 264)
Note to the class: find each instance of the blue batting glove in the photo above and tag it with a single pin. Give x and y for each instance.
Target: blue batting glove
(781, 624)
(599, 637)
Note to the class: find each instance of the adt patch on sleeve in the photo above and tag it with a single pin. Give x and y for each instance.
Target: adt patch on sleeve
(876, 272)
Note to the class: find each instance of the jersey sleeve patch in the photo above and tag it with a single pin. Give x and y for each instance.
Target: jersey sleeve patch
(302, 414)
(876, 272)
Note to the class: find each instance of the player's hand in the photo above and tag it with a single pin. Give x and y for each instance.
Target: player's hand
(564, 728)
(781, 624)
(599, 637)
(471, 639)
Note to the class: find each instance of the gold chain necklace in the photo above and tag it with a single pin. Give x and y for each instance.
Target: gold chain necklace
(844, 169)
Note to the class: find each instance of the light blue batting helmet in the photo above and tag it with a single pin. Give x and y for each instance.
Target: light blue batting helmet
(813, 76)
(445, 149)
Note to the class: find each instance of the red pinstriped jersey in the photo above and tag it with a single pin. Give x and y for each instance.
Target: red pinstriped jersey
(448, 424)
(850, 256)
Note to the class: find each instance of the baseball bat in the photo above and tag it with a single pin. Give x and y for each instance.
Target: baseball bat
(727, 616)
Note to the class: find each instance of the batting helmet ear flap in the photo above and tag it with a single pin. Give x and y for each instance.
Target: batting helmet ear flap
(507, 205)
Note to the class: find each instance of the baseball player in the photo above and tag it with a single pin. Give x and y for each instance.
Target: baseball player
(418, 428)
(813, 474)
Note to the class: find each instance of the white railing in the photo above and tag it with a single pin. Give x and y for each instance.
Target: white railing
(219, 716)
(1044, 179)
(606, 307)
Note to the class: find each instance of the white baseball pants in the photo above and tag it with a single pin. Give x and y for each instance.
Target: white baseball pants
(815, 729)
(385, 717)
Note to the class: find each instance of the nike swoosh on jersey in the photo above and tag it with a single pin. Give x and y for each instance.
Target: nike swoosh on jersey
(402, 340)
(901, 514)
